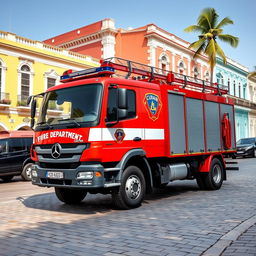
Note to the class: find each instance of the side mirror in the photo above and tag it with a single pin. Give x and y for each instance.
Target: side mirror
(33, 113)
(122, 103)
(122, 98)
(29, 99)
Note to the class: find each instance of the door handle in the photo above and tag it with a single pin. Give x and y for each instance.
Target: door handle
(137, 139)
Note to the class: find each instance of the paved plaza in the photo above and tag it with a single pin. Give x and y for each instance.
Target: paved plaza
(179, 220)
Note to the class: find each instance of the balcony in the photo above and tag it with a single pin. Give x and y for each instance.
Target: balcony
(5, 101)
(243, 102)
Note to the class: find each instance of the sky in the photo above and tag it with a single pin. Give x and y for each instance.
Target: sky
(43, 19)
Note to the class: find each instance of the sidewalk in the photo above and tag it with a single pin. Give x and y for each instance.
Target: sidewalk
(245, 245)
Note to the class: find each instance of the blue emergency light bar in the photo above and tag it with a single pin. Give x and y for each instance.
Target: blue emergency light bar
(87, 72)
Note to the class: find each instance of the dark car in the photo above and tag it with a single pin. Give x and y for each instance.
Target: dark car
(246, 147)
(14, 154)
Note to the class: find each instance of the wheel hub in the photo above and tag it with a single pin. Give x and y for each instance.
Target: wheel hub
(133, 187)
(216, 174)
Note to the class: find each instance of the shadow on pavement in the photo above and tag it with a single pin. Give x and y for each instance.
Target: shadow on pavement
(99, 203)
(92, 204)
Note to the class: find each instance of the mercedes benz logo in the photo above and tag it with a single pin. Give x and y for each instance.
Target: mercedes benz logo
(56, 150)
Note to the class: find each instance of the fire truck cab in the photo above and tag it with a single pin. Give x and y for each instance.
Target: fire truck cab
(125, 136)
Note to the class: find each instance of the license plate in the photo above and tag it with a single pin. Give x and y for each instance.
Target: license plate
(240, 152)
(54, 175)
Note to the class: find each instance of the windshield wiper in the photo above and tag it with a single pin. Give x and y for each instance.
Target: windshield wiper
(70, 119)
(45, 123)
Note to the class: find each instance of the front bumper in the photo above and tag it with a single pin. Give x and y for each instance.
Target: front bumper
(70, 179)
(244, 153)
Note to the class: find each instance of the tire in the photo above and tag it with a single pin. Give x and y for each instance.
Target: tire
(26, 172)
(132, 189)
(214, 178)
(233, 157)
(7, 178)
(254, 153)
(70, 196)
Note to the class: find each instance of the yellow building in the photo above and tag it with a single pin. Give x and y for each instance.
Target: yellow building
(29, 67)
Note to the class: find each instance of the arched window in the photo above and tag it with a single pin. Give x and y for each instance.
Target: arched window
(195, 72)
(51, 78)
(207, 76)
(164, 62)
(234, 87)
(25, 83)
(239, 90)
(229, 85)
(181, 67)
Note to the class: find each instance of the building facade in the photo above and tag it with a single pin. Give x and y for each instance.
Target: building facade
(149, 45)
(29, 67)
(234, 76)
(252, 113)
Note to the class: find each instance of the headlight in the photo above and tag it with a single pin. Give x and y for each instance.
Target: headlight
(34, 173)
(84, 175)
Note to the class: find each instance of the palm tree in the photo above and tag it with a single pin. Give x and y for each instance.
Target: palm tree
(210, 30)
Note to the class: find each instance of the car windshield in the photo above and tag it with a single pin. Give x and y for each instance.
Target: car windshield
(246, 141)
(76, 105)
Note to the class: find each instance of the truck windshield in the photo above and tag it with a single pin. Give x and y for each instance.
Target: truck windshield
(75, 106)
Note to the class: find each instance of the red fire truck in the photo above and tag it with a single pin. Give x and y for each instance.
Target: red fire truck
(126, 136)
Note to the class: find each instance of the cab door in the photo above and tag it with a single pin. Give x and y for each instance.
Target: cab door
(122, 132)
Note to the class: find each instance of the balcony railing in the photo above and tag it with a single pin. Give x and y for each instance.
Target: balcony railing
(243, 102)
(5, 98)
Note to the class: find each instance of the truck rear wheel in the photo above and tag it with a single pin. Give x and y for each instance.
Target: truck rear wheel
(214, 178)
(70, 196)
(132, 189)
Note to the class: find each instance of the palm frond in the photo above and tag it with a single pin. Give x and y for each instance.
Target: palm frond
(232, 40)
(225, 22)
(197, 44)
(208, 18)
(211, 51)
(194, 28)
(220, 53)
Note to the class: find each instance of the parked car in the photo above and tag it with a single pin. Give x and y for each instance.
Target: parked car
(14, 154)
(246, 147)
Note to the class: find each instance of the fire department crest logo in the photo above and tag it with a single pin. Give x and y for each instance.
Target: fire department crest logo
(119, 135)
(153, 105)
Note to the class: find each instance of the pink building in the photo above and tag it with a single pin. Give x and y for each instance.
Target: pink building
(149, 44)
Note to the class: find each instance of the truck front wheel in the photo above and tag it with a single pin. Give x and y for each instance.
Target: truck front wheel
(214, 178)
(70, 196)
(132, 189)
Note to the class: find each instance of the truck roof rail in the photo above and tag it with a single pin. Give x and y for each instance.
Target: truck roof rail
(149, 73)
(146, 73)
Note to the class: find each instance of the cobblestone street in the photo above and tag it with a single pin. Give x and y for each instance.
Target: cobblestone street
(178, 220)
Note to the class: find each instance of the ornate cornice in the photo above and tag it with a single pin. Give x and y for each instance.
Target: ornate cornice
(88, 39)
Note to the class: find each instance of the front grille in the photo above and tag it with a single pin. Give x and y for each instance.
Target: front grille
(56, 182)
(59, 165)
(67, 153)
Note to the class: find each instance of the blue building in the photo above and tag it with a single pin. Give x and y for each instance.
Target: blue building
(234, 76)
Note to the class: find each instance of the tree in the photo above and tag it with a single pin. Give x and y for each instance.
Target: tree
(210, 30)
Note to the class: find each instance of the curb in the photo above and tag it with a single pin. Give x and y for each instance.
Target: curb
(230, 237)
